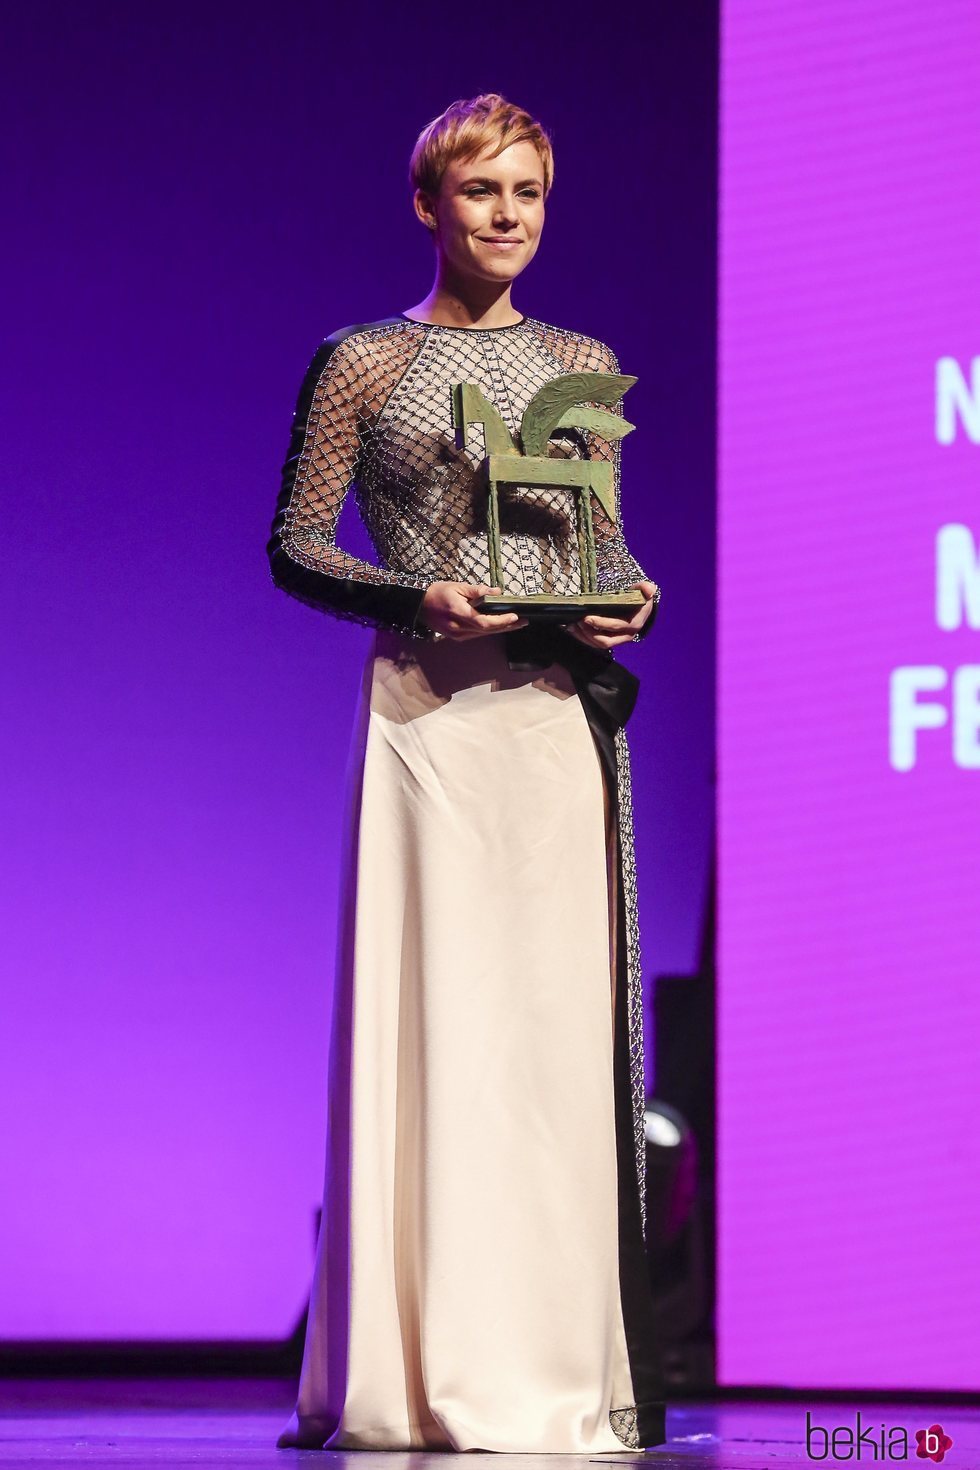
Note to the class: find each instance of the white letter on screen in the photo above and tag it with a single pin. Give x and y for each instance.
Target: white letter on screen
(957, 577)
(966, 717)
(952, 393)
(907, 715)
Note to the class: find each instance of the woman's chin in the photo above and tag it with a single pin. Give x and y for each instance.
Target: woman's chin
(499, 270)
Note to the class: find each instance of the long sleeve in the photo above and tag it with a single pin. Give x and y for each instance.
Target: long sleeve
(321, 464)
(616, 566)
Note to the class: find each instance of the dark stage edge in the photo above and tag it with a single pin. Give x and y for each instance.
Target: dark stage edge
(220, 1422)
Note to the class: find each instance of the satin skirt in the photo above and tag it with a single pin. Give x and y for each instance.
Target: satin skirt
(466, 1291)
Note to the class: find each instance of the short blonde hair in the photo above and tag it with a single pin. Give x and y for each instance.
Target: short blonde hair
(467, 128)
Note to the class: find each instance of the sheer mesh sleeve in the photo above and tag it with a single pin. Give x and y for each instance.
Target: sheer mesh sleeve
(616, 566)
(339, 399)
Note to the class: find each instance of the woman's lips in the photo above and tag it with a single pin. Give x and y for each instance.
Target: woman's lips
(503, 244)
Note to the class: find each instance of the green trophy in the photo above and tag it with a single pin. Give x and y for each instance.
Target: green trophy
(562, 403)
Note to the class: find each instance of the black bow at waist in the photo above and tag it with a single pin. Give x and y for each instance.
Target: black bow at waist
(607, 689)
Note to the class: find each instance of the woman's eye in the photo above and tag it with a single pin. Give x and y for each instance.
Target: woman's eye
(525, 193)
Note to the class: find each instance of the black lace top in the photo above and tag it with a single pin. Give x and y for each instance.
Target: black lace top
(375, 411)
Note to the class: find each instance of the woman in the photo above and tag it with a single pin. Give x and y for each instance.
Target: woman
(480, 1278)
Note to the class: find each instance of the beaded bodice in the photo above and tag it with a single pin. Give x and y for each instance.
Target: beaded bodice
(375, 412)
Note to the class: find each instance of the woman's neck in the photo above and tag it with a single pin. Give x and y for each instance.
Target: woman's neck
(448, 306)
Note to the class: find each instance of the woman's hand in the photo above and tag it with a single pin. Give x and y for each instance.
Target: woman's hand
(447, 608)
(606, 632)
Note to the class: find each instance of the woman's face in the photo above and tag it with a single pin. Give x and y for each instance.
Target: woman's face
(489, 213)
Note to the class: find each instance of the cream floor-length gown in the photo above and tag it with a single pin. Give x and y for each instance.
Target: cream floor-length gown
(466, 1291)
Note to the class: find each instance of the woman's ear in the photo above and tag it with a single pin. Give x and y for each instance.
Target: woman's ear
(424, 209)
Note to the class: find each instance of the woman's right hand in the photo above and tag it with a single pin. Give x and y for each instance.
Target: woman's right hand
(447, 608)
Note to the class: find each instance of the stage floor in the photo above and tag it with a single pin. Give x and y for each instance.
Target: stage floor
(222, 1422)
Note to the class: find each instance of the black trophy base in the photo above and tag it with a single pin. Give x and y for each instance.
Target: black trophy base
(550, 608)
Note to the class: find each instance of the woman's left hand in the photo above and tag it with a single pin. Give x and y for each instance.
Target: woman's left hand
(606, 632)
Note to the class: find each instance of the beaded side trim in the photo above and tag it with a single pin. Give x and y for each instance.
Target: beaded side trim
(624, 1426)
(635, 988)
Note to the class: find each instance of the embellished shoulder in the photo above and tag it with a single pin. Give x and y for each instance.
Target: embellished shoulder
(365, 361)
(577, 351)
(360, 328)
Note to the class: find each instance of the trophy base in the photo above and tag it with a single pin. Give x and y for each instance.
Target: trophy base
(551, 608)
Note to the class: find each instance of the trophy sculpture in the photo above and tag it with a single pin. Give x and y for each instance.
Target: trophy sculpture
(561, 403)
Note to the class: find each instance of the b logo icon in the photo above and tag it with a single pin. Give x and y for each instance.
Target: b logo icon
(932, 1443)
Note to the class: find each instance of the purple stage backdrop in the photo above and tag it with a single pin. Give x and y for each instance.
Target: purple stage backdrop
(849, 695)
(197, 196)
